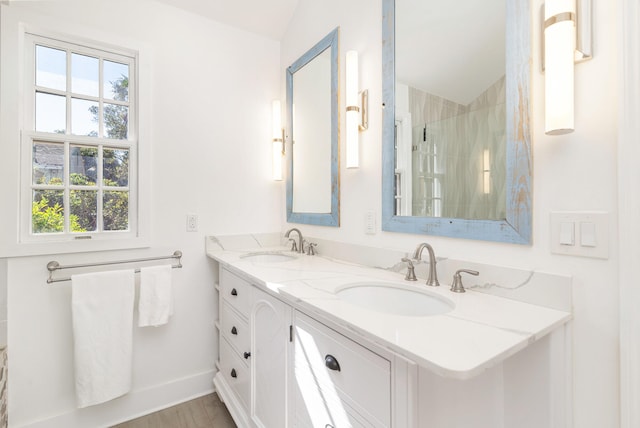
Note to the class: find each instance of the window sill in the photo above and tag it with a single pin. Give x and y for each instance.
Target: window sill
(69, 247)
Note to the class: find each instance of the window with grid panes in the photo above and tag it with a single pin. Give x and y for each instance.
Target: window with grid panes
(80, 137)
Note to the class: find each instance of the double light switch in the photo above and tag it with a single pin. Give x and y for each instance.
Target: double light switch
(584, 234)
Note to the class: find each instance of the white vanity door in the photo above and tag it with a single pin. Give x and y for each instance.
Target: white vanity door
(337, 382)
(270, 322)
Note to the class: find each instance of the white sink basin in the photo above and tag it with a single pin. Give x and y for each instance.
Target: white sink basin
(395, 299)
(268, 257)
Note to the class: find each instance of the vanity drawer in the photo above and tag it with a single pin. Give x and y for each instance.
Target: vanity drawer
(362, 381)
(236, 291)
(235, 329)
(342, 417)
(235, 372)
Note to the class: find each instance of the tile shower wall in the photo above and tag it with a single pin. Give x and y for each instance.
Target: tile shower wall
(459, 155)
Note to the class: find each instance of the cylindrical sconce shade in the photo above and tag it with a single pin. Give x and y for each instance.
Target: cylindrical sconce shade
(353, 113)
(560, 45)
(277, 140)
(486, 171)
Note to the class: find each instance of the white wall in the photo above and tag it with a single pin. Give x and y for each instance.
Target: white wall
(572, 172)
(210, 89)
(210, 155)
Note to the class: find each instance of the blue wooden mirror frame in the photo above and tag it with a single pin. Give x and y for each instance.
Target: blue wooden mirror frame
(516, 227)
(323, 219)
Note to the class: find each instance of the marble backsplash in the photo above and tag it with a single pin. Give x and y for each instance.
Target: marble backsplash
(526, 285)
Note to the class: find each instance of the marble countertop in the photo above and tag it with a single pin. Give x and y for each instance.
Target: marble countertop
(480, 332)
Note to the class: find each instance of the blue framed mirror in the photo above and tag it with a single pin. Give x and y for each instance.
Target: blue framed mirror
(456, 137)
(312, 135)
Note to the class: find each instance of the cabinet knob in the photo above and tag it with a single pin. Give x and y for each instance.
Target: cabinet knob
(247, 355)
(234, 330)
(233, 373)
(331, 362)
(234, 292)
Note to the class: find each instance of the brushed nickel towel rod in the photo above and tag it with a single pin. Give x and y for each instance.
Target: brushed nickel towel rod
(54, 266)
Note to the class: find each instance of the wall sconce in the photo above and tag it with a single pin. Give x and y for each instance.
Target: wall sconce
(486, 171)
(357, 110)
(567, 39)
(277, 140)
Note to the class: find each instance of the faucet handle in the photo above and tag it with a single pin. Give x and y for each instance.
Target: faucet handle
(294, 246)
(457, 286)
(310, 249)
(411, 272)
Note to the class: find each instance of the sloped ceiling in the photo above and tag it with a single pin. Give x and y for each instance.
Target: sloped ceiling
(269, 18)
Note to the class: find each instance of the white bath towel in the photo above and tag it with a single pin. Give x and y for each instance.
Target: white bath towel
(155, 304)
(102, 312)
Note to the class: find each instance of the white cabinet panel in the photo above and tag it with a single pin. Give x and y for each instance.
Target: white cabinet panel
(236, 291)
(235, 329)
(270, 321)
(336, 378)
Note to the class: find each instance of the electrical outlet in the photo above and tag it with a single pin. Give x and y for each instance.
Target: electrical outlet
(192, 222)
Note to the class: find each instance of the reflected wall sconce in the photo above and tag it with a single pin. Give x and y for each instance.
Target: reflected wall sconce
(486, 171)
(357, 110)
(566, 40)
(277, 140)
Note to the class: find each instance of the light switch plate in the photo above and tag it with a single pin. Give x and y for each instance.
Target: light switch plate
(370, 223)
(591, 233)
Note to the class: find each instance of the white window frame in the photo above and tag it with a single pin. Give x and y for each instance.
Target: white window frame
(29, 136)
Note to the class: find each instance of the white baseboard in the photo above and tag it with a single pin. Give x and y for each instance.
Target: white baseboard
(132, 405)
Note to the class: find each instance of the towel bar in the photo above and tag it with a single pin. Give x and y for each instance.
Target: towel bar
(53, 266)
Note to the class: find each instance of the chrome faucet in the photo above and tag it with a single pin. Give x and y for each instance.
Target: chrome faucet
(433, 273)
(286, 235)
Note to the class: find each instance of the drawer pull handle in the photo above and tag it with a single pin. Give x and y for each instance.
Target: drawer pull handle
(234, 330)
(234, 292)
(233, 373)
(247, 355)
(331, 363)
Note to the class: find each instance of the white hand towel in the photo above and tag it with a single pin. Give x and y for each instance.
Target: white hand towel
(102, 312)
(155, 304)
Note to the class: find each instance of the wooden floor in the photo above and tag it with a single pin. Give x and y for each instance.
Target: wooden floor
(203, 412)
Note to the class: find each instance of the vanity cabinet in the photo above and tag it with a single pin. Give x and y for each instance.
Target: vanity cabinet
(281, 368)
(254, 345)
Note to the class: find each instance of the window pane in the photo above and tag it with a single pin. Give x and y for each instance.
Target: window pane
(116, 120)
(83, 210)
(51, 113)
(47, 211)
(116, 81)
(115, 167)
(115, 210)
(84, 117)
(84, 75)
(83, 165)
(51, 68)
(48, 163)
